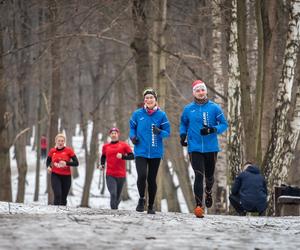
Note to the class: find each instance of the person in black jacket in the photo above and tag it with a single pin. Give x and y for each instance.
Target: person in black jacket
(249, 191)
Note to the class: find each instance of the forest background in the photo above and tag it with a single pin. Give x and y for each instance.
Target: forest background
(64, 63)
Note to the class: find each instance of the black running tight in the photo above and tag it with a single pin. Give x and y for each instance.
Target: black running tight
(147, 170)
(60, 185)
(203, 165)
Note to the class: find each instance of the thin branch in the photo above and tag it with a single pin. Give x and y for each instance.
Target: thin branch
(180, 57)
(27, 129)
(97, 36)
(176, 88)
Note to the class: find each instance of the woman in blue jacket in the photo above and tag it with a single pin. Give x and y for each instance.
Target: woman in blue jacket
(201, 122)
(148, 126)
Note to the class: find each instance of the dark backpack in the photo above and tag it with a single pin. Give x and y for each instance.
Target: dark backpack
(290, 191)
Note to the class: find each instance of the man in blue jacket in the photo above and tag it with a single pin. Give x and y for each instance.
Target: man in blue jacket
(201, 122)
(249, 191)
(148, 126)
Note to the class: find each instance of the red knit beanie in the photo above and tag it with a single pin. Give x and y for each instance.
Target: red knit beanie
(198, 84)
(114, 129)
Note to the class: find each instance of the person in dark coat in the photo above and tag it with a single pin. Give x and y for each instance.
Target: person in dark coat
(249, 191)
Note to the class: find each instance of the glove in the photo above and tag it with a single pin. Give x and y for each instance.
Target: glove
(100, 166)
(156, 130)
(182, 140)
(207, 130)
(134, 140)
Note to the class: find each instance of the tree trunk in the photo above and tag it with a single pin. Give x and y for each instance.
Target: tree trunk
(174, 153)
(271, 22)
(5, 172)
(140, 45)
(91, 160)
(219, 189)
(38, 148)
(281, 146)
(234, 149)
(160, 83)
(22, 167)
(55, 88)
(169, 189)
(246, 106)
(257, 118)
(19, 118)
(293, 176)
(91, 155)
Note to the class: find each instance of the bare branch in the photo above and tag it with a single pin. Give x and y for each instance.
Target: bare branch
(88, 35)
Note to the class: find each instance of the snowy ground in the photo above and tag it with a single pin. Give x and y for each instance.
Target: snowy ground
(49, 227)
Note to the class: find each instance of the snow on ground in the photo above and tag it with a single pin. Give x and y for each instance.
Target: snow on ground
(49, 227)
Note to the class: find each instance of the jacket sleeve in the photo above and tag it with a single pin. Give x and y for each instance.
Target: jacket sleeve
(222, 123)
(265, 186)
(49, 158)
(236, 185)
(165, 127)
(74, 162)
(133, 126)
(103, 155)
(184, 123)
(48, 161)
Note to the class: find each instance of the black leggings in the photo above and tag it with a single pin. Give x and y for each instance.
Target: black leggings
(147, 169)
(203, 165)
(60, 185)
(115, 186)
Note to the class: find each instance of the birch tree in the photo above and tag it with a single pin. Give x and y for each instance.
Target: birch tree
(284, 134)
(234, 152)
(218, 83)
(166, 188)
(270, 22)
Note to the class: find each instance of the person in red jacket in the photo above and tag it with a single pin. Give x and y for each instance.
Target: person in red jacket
(114, 154)
(60, 159)
(43, 143)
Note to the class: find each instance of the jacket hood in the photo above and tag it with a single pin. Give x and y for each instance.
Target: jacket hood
(253, 169)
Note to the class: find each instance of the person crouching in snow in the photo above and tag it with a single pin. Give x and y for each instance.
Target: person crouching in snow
(114, 154)
(201, 121)
(148, 126)
(59, 161)
(249, 191)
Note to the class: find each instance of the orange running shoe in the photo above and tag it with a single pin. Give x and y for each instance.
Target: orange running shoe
(199, 212)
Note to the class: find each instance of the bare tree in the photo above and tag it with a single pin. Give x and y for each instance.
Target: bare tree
(22, 58)
(5, 172)
(55, 86)
(234, 152)
(140, 43)
(282, 145)
(220, 188)
(272, 33)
